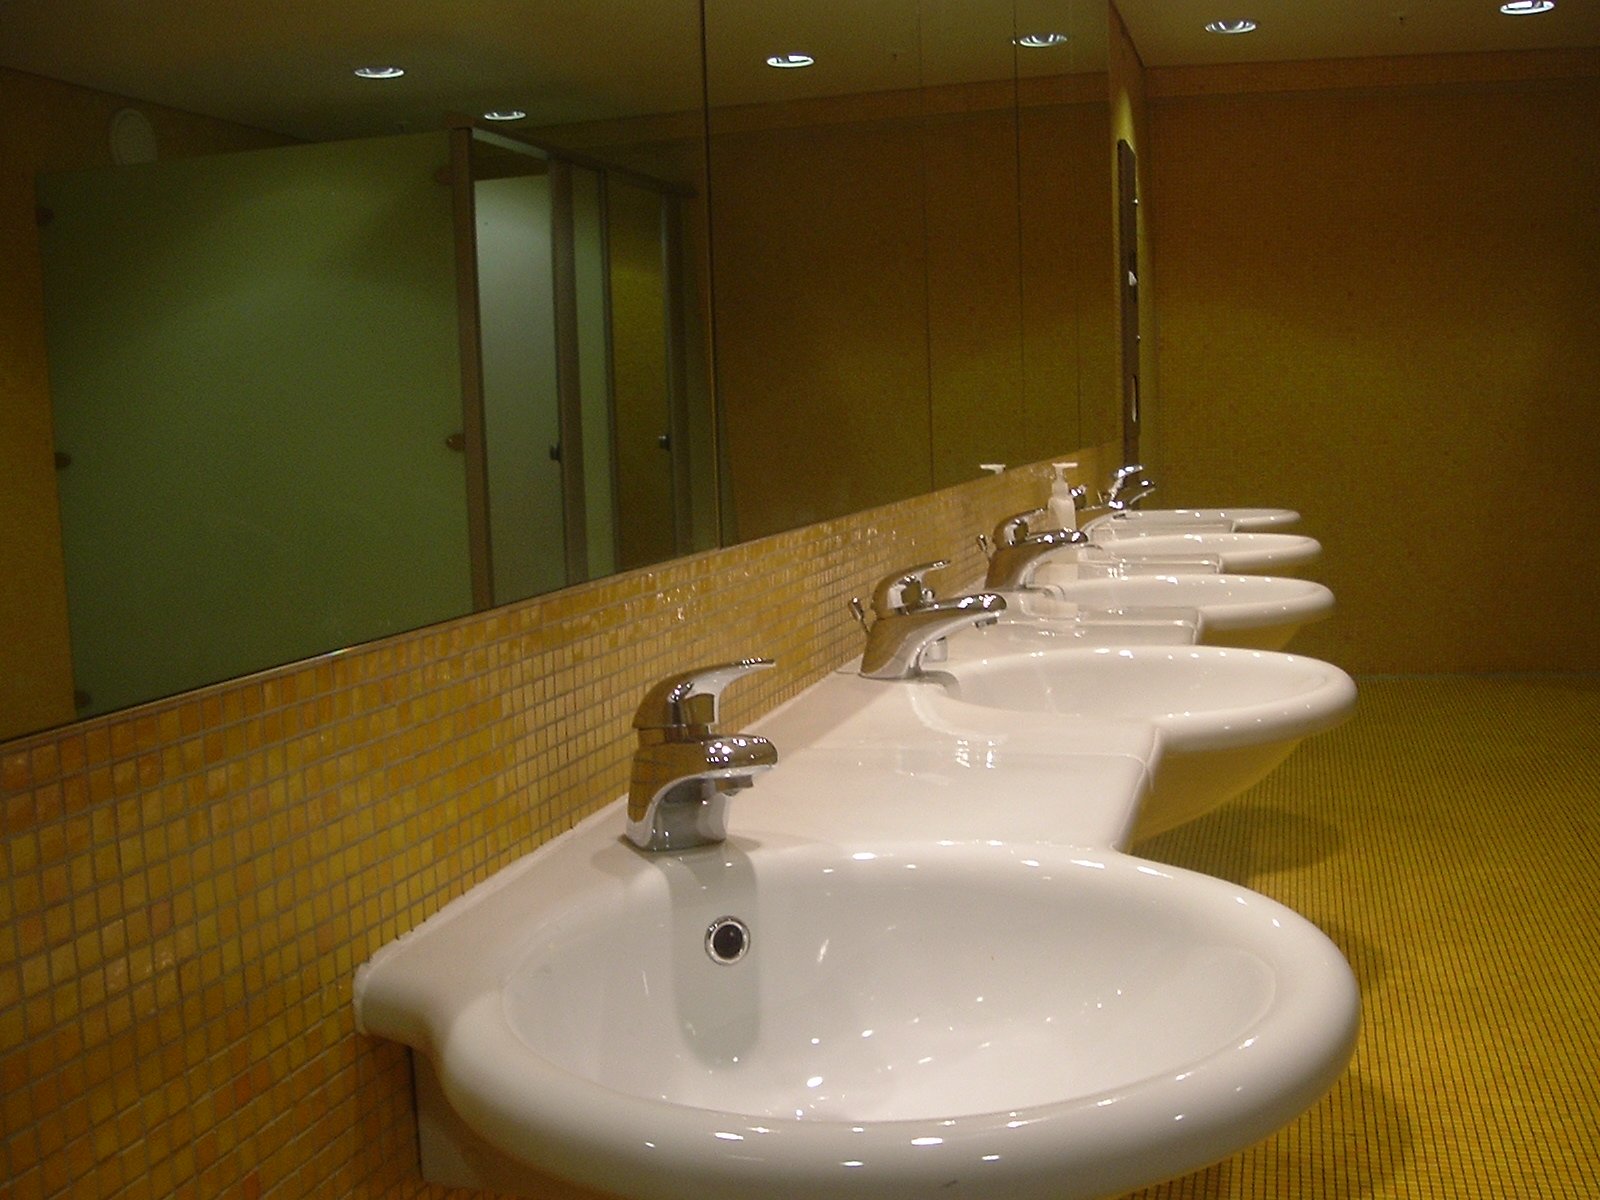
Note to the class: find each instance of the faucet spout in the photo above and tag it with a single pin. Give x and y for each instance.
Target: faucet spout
(1131, 476)
(684, 770)
(678, 796)
(897, 643)
(1014, 528)
(1134, 500)
(1014, 565)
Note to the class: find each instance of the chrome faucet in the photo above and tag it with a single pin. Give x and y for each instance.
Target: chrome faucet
(905, 591)
(1013, 564)
(1113, 498)
(1117, 499)
(683, 769)
(1015, 550)
(1016, 527)
(909, 620)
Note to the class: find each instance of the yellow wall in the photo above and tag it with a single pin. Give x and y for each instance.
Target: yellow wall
(188, 886)
(45, 127)
(884, 253)
(1069, 312)
(640, 369)
(1378, 287)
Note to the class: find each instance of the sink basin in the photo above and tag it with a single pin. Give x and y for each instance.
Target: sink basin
(1141, 520)
(1256, 612)
(910, 1020)
(1225, 717)
(1036, 618)
(1268, 553)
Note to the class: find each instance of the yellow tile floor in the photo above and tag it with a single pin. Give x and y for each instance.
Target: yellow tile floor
(1447, 838)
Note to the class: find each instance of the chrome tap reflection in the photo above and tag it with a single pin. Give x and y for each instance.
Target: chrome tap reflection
(1019, 545)
(684, 770)
(909, 620)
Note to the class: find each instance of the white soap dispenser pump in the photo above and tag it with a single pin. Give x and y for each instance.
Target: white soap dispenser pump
(1063, 502)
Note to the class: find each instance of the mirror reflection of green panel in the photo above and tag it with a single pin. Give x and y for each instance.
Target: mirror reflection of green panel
(256, 408)
(521, 417)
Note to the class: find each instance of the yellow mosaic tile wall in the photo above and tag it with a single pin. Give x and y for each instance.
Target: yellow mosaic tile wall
(188, 886)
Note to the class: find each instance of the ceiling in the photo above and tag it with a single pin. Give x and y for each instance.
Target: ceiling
(285, 65)
(1172, 33)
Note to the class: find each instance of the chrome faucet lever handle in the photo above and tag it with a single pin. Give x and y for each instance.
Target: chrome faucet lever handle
(906, 590)
(1120, 479)
(1014, 528)
(685, 705)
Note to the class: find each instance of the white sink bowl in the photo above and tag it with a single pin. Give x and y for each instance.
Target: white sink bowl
(1141, 520)
(1036, 619)
(1255, 612)
(911, 1020)
(1225, 717)
(1266, 553)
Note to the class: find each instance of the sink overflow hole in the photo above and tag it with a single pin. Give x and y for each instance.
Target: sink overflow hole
(727, 940)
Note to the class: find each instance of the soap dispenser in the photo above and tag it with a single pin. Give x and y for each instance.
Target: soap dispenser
(1063, 503)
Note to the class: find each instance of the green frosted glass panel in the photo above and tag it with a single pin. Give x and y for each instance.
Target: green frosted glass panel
(254, 369)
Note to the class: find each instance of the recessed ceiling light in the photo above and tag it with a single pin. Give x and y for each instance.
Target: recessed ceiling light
(1524, 8)
(380, 72)
(504, 114)
(1039, 41)
(790, 62)
(1242, 25)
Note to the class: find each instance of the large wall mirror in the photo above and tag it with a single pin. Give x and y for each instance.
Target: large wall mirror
(297, 358)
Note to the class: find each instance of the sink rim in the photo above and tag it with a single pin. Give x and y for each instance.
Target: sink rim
(1244, 518)
(1280, 596)
(1237, 551)
(1306, 1035)
(1323, 700)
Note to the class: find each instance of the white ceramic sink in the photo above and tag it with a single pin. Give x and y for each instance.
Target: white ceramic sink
(1225, 717)
(1144, 520)
(911, 1020)
(1269, 553)
(1038, 618)
(1256, 612)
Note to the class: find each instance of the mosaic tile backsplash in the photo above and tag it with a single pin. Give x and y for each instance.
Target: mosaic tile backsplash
(189, 886)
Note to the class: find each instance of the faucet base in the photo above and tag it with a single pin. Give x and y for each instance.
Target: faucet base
(692, 812)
